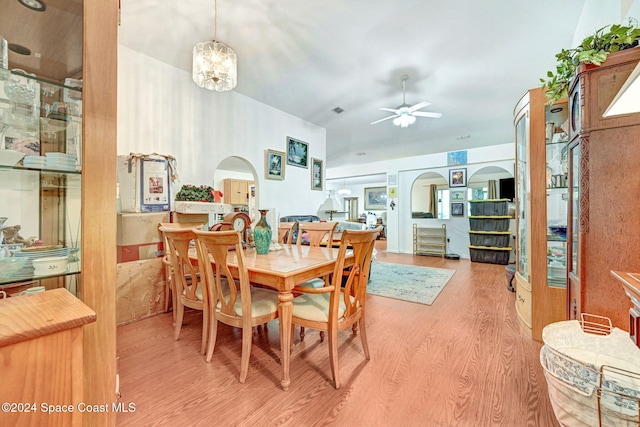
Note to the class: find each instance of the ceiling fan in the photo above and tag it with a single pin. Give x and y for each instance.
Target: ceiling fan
(405, 114)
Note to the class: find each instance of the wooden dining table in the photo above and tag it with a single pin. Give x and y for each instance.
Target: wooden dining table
(282, 270)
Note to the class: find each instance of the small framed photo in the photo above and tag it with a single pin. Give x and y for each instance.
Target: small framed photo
(457, 209)
(316, 174)
(375, 198)
(458, 177)
(457, 196)
(274, 165)
(297, 153)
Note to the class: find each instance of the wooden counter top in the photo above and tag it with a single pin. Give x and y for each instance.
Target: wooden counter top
(35, 315)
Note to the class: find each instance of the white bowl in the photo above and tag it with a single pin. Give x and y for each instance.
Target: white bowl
(10, 157)
(51, 265)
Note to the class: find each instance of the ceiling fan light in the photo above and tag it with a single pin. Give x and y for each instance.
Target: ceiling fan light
(404, 120)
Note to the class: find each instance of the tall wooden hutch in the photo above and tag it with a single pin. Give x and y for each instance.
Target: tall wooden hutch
(604, 190)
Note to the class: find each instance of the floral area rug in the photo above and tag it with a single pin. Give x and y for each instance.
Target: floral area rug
(407, 282)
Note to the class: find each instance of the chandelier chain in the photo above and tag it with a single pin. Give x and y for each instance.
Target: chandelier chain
(215, 20)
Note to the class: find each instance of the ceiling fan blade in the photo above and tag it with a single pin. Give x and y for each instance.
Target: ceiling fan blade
(391, 110)
(418, 106)
(426, 114)
(386, 118)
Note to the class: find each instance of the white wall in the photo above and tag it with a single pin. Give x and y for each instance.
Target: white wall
(161, 110)
(399, 221)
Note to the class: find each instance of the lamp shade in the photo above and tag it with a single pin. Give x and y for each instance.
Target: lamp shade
(215, 66)
(330, 204)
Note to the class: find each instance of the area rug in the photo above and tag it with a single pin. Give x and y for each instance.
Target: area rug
(407, 282)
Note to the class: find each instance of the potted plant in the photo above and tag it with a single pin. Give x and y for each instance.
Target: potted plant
(593, 50)
(192, 193)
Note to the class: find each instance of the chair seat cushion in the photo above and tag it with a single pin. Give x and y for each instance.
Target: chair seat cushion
(198, 291)
(263, 301)
(315, 307)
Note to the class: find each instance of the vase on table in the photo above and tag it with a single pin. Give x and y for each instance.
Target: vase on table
(262, 233)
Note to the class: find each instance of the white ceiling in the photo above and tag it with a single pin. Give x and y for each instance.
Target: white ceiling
(472, 59)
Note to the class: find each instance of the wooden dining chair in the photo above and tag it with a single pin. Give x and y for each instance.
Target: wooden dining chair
(234, 302)
(189, 293)
(342, 304)
(316, 233)
(169, 287)
(285, 232)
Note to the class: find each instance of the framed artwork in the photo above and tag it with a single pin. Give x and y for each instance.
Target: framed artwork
(375, 198)
(457, 209)
(316, 174)
(297, 153)
(274, 164)
(458, 177)
(393, 192)
(456, 158)
(457, 196)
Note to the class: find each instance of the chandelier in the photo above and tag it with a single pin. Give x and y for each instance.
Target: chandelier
(215, 65)
(344, 191)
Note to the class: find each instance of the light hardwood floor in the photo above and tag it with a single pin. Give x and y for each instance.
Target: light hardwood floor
(462, 361)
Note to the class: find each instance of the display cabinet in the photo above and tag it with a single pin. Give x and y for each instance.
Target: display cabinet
(604, 203)
(72, 204)
(41, 182)
(541, 133)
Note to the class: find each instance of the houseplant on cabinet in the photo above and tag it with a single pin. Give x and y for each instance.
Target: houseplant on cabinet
(594, 49)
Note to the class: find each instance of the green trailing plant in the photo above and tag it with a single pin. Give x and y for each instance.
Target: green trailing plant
(593, 50)
(192, 193)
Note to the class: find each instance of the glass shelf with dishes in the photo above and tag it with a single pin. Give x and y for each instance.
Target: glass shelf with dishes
(40, 181)
(40, 122)
(556, 139)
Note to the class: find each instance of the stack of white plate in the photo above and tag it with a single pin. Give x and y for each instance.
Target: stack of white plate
(35, 252)
(34, 162)
(61, 161)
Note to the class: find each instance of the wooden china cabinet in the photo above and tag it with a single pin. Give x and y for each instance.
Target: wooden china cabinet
(77, 40)
(604, 191)
(541, 211)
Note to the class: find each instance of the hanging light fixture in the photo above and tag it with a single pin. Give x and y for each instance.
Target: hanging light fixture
(215, 65)
(344, 191)
(404, 119)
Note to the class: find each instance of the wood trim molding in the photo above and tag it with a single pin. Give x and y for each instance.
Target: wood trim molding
(584, 184)
(100, 53)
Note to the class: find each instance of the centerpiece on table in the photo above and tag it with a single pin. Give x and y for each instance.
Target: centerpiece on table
(198, 199)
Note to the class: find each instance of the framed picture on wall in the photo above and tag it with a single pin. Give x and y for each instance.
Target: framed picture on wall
(457, 209)
(457, 195)
(375, 198)
(274, 164)
(316, 174)
(297, 153)
(458, 177)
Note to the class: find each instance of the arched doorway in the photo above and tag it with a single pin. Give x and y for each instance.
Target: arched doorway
(238, 173)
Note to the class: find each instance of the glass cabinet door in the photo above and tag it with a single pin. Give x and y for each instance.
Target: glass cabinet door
(557, 168)
(574, 210)
(41, 128)
(522, 190)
